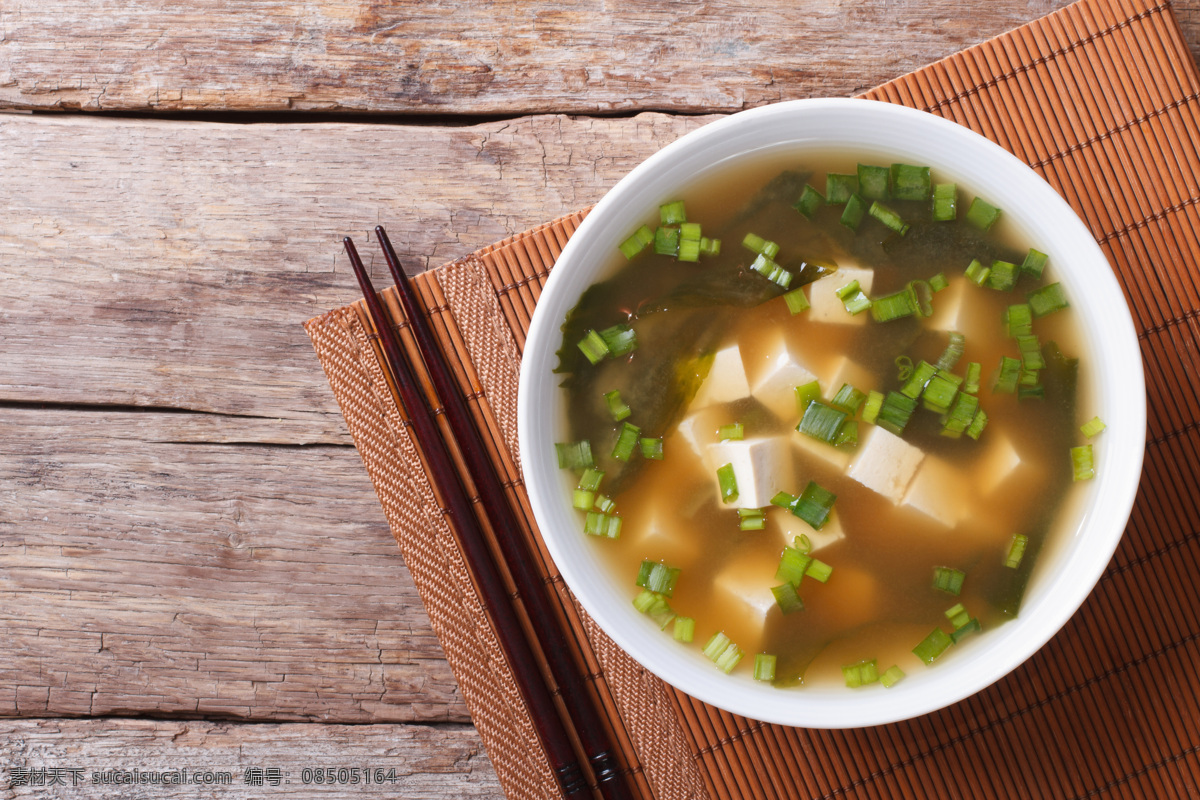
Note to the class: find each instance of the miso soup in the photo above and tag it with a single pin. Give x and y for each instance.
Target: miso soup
(824, 419)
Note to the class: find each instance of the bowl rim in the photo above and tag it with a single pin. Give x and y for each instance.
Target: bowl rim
(1109, 500)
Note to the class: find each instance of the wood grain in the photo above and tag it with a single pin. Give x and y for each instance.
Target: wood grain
(446, 761)
(452, 57)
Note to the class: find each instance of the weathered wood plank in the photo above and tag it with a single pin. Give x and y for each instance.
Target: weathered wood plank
(143, 573)
(451, 57)
(443, 761)
(170, 264)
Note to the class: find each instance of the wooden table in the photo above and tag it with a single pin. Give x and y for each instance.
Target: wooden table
(194, 571)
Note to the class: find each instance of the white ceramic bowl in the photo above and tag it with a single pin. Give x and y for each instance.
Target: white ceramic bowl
(1063, 576)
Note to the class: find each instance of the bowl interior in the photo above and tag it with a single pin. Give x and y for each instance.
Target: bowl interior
(1064, 574)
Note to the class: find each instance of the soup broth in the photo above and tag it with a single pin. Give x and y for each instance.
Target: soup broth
(716, 341)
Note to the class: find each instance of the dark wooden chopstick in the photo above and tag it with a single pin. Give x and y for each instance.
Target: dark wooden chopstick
(531, 587)
(457, 508)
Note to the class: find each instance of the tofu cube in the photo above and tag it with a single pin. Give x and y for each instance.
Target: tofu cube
(811, 451)
(826, 306)
(659, 535)
(762, 467)
(726, 380)
(843, 371)
(940, 492)
(791, 526)
(949, 306)
(885, 463)
(696, 432)
(743, 590)
(997, 464)
(775, 383)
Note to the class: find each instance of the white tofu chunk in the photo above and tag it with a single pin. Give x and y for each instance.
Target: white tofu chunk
(657, 535)
(939, 491)
(885, 463)
(696, 432)
(774, 385)
(949, 306)
(997, 464)
(743, 590)
(762, 467)
(828, 307)
(791, 526)
(811, 451)
(843, 371)
(726, 379)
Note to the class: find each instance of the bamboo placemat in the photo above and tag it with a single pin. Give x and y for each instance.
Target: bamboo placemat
(1101, 98)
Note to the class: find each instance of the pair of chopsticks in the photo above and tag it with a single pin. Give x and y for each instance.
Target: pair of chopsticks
(584, 720)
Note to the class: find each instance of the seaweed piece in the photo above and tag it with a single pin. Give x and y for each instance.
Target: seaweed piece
(933, 241)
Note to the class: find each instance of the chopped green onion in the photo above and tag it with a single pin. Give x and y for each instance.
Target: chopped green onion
(958, 615)
(764, 667)
(590, 480)
(1019, 320)
(627, 439)
(971, 627)
(666, 241)
(784, 500)
(977, 424)
(977, 273)
(620, 339)
(853, 298)
(605, 504)
(948, 579)
(839, 187)
(818, 570)
(655, 606)
(814, 505)
(802, 543)
(658, 577)
(847, 435)
(921, 375)
(1031, 392)
(764, 266)
(728, 483)
(933, 645)
(895, 412)
(822, 422)
(1008, 376)
(574, 455)
(1093, 427)
(938, 282)
(796, 301)
(909, 182)
(856, 209)
(760, 245)
(616, 407)
(601, 524)
(685, 629)
(792, 564)
(810, 200)
(639, 241)
(860, 674)
(960, 416)
(806, 394)
(873, 182)
(945, 202)
(941, 391)
(723, 652)
(1016, 550)
(1047, 300)
(734, 430)
(1031, 352)
(871, 407)
(652, 448)
(904, 366)
(583, 499)
(1082, 463)
(593, 347)
(982, 215)
(1003, 276)
(890, 219)
(751, 519)
(787, 598)
(710, 247)
(672, 213)
(848, 399)
(1034, 263)
(689, 242)
(922, 292)
(892, 676)
(895, 306)
(974, 373)
(953, 351)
